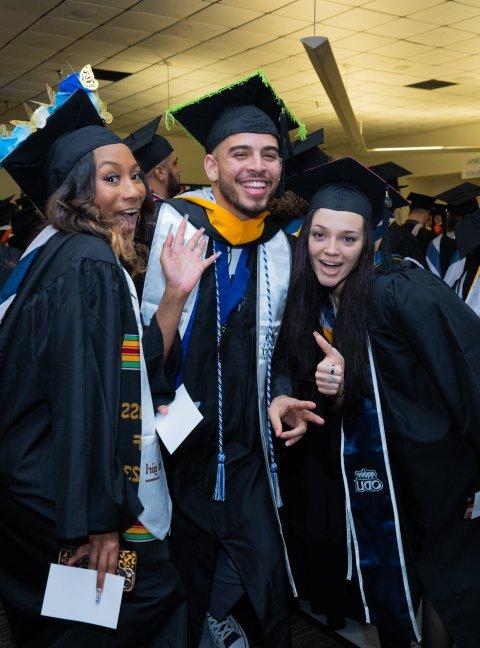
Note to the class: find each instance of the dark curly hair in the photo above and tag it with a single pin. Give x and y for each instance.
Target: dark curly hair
(71, 208)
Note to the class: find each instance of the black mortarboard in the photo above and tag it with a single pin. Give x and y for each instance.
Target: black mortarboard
(391, 172)
(461, 199)
(306, 153)
(248, 106)
(149, 148)
(467, 233)
(420, 201)
(42, 161)
(346, 185)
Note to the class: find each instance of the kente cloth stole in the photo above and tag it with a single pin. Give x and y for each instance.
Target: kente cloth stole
(139, 447)
(373, 527)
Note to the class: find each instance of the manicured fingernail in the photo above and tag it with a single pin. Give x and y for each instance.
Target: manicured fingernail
(219, 254)
(98, 595)
(186, 217)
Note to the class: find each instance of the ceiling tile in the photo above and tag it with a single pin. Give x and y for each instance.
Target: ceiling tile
(285, 46)
(166, 45)
(189, 26)
(328, 31)
(119, 35)
(35, 54)
(363, 42)
(403, 8)
(277, 25)
(401, 28)
(18, 19)
(471, 25)
(441, 37)
(304, 9)
(140, 53)
(88, 47)
(215, 50)
(120, 4)
(176, 8)
(148, 22)
(218, 14)
(258, 5)
(51, 25)
(358, 19)
(92, 13)
(470, 46)
(402, 49)
(38, 39)
(38, 7)
(437, 56)
(448, 13)
(243, 38)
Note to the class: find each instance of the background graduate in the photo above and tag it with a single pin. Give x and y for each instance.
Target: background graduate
(74, 447)
(226, 534)
(403, 369)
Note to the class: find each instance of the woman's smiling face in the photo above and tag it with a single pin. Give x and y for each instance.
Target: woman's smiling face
(335, 243)
(119, 188)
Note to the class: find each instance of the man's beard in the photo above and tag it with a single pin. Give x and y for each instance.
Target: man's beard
(173, 185)
(230, 193)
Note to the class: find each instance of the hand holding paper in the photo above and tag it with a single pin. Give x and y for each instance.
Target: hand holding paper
(182, 417)
(70, 595)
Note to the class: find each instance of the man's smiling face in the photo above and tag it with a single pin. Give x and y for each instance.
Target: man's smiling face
(245, 171)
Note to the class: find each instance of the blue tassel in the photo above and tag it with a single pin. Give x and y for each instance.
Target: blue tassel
(219, 494)
(276, 485)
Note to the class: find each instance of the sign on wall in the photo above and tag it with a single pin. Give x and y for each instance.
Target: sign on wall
(471, 168)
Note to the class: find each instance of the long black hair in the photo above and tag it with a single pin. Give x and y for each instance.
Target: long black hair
(305, 301)
(71, 208)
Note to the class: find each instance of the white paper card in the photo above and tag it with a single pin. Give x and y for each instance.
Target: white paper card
(476, 505)
(71, 591)
(174, 427)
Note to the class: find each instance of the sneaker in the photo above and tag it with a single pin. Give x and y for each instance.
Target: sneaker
(227, 633)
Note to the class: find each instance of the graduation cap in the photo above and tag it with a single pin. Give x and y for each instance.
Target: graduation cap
(420, 201)
(467, 233)
(366, 190)
(40, 163)
(348, 185)
(247, 106)
(149, 148)
(391, 172)
(461, 199)
(306, 153)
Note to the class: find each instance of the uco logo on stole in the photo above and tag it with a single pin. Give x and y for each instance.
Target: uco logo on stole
(366, 481)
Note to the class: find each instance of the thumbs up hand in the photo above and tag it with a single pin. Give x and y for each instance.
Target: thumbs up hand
(329, 375)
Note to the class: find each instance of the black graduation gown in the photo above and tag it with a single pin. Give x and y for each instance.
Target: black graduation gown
(314, 502)
(423, 237)
(61, 478)
(403, 242)
(426, 346)
(472, 263)
(9, 258)
(245, 524)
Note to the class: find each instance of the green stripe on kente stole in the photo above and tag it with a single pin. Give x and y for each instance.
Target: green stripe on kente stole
(131, 352)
